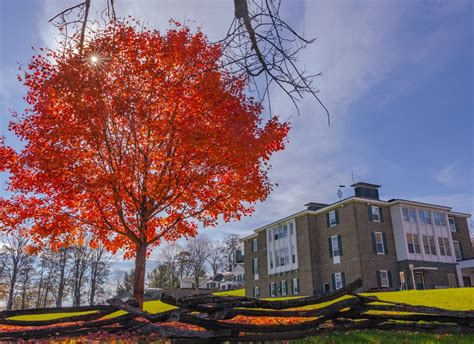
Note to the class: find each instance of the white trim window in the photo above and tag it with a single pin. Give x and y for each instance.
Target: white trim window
(375, 213)
(282, 257)
(429, 245)
(335, 246)
(255, 268)
(379, 246)
(409, 214)
(413, 243)
(384, 282)
(256, 292)
(457, 250)
(444, 248)
(271, 260)
(284, 287)
(281, 232)
(293, 254)
(296, 285)
(273, 289)
(338, 280)
(332, 218)
(439, 219)
(291, 228)
(452, 224)
(424, 216)
(254, 245)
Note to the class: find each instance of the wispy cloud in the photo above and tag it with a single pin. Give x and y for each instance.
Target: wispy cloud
(449, 175)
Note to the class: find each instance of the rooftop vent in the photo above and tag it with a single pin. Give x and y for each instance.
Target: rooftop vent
(315, 206)
(366, 190)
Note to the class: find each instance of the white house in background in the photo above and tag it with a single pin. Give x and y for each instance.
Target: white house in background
(189, 283)
(233, 279)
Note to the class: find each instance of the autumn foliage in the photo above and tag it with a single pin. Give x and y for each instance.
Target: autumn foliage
(138, 140)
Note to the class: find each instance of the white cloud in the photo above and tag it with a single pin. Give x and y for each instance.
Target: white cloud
(448, 175)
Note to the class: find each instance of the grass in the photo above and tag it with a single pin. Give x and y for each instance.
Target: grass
(452, 299)
(459, 299)
(386, 337)
(149, 306)
(235, 292)
(50, 316)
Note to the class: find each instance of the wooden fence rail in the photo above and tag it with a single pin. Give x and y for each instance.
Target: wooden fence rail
(216, 318)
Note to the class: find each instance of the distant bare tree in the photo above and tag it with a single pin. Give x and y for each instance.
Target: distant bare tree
(99, 270)
(80, 260)
(61, 260)
(176, 264)
(232, 244)
(184, 266)
(25, 281)
(198, 249)
(216, 257)
(15, 259)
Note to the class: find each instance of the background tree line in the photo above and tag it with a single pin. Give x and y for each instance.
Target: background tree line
(77, 274)
(199, 257)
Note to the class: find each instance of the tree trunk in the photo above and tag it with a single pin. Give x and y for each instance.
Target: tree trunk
(11, 292)
(139, 279)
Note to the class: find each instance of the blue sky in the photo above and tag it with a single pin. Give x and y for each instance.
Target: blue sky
(397, 79)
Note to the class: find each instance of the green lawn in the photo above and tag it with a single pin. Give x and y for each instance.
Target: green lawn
(386, 337)
(453, 299)
(460, 299)
(149, 306)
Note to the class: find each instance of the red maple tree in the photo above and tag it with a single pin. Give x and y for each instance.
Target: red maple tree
(137, 140)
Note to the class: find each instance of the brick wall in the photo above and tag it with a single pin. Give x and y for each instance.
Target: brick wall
(462, 235)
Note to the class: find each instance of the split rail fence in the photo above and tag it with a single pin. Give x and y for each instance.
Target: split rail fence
(210, 315)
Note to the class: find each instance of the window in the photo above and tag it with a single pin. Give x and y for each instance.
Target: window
(282, 257)
(439, 219)
(338, 283)
(284, 289)
(452, 224)
(254, 245)
(425, 217)
(444, 248)
(291, 228)
(273, 289)
(432, 245)
(375, 213)
(384, 282)
(447, 247)
(332, 218)
(281, 232)
(335, 246)
(293, 254)
(413, 243)
(409, 214)
(255, 268)
(295, 285)
(271, 260)
(457, 250)
(379, 245)
(256, 292)
(429, 245)
(270, 234)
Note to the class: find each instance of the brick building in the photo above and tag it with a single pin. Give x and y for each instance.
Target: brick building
(395, 244)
